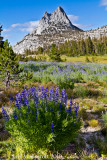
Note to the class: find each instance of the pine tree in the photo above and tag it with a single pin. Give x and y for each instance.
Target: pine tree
(82, 48)
(54, 54)
(89, 46)
(8, 62)
(74, 48)
(100, 48)
(40, 50)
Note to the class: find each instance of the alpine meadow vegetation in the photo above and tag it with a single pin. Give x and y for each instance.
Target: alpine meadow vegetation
(47, 104)
(42, 120)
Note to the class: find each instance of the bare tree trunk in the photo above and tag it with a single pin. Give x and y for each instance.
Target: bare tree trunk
(8, 79)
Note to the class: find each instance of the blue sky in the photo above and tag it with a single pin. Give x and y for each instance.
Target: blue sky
(20, 17)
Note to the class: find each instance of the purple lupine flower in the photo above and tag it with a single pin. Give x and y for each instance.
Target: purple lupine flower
(27, 112)
(51, 108)
(36, 113)
(19, 98)
(69, 111)
(42, 94)
(74, 106)
(41, 88)
(51, 93)
(36, 102)
(62, 95)
(26, 102)
(60, 106)
(17, 104)
(66, 98)
(52, 126)
(32, 90)
(38, 89)
(76, 110)
(28, 108)
(22, 94)
(23, 103)
(50, 97)
(63, 92)
(11, 98)
(70, 103)
(5, 115)
(45, 93)
(78, 119)
(56, 94)
(26, 94)
(37, 93)
(15, 115)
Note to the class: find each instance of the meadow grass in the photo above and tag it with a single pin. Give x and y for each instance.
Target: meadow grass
(98, 59)
(93, 59)
(85, 83)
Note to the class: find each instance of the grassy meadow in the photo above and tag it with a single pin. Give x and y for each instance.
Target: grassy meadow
(53, 107)
(92, 59)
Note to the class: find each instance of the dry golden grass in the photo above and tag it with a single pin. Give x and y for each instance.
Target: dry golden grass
(93, 123)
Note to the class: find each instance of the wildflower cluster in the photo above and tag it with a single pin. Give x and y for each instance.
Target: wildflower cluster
(66, 74)
(40, 113)
(5, 115)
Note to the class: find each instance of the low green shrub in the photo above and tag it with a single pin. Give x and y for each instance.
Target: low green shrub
(42, 121)
(102, 146)
(105, 119)
(80, 91)
(93, 123)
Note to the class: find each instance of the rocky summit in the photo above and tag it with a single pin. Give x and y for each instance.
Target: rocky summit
(55, 28)
(55, 23)
(50, 29)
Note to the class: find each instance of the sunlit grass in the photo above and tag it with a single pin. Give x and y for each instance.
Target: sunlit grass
(96, 59)
(99, 59)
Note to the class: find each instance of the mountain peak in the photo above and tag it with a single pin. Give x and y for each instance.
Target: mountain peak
(55, 22)
(60, 9)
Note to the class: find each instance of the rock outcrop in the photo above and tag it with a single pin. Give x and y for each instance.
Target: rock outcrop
(55, 28)
(50, 29)
(55, 23)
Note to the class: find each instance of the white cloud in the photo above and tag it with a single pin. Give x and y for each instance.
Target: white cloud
(83, 26)
(6, 30)
(15, 25)
(23, 27)
(73, 18)
(104, 3)
(27, 24)
(6, 35)
(31, 24)
(26, 27)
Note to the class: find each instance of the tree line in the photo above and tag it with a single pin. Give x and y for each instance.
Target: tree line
(75, 48)
(84, 47)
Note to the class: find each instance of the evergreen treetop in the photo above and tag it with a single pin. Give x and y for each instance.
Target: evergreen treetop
(8, 59)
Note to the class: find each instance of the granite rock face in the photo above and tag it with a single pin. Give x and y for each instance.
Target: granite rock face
(50, 26)
(55, 28)
(55, 23)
